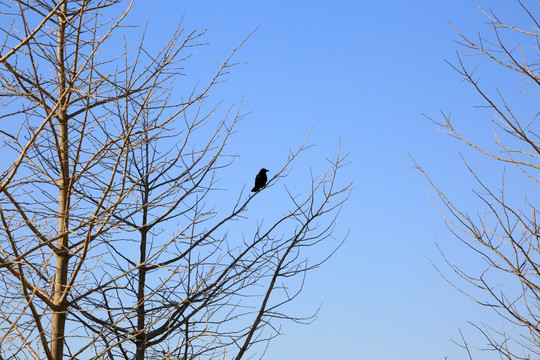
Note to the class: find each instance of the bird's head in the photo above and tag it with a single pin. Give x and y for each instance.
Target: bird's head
(263, 170)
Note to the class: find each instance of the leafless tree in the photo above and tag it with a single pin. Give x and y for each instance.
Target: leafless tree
(506, 237)
(111, 245)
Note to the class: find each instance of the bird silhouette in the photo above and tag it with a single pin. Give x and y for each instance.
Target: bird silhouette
(260, 180)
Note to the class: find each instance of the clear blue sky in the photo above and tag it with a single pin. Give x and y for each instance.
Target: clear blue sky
(362, 71)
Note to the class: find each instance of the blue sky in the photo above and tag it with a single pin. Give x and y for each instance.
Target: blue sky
(362, 72)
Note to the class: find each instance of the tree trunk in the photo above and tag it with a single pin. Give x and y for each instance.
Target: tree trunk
(141, 312)
(62, 253)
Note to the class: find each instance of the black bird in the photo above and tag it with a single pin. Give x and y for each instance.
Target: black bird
(260, 180)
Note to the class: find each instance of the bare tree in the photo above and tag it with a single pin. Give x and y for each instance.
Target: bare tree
(111, 244)
(506, 237)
